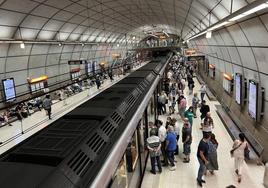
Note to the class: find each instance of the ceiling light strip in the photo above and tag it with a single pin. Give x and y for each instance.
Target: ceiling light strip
(246, 11)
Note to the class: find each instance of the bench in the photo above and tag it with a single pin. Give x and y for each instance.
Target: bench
(233, 126)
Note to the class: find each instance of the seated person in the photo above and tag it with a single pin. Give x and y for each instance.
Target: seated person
(5, 116)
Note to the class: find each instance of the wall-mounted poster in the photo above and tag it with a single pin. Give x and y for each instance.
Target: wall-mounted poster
(252, 99)
(238, 88)
(9, 89)
(227, 83)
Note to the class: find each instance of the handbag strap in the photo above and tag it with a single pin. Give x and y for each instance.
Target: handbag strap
(237, 147)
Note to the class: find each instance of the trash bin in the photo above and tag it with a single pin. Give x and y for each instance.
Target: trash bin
(265, 178)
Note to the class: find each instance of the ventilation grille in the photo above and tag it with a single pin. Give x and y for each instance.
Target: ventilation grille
(129, 102)
(95, 143)
(79, 163)
(123, 107)
(108, 128)
(116, 118)
(150, 78)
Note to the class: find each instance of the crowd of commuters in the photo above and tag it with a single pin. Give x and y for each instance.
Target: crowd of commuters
(166, 136)
(26, 109)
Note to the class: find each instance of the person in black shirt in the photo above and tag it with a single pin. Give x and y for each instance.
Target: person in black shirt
(204, 109)
(202, 156)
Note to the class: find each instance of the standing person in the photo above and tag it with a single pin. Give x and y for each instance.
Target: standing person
(190, 85)
(202, 156)
(98, 82)
(212, 154)
(182, 106)
(195, 102)
(173, 104)
(162, 100)
(183, 83)
(154, 147)
(63, 96)
(170, 100)
(203, 91)
(189, 115)
(153, 128)
(186, 140)
(176, 126)
(238, 150)
(204, 109)
(47, 103)
(171, 147)
(207, 124)
(162, 133)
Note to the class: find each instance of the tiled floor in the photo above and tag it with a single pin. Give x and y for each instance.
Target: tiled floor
(185, 174)
(11, 135)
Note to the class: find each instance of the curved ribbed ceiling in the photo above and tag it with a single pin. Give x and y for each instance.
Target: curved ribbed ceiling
(108, 20)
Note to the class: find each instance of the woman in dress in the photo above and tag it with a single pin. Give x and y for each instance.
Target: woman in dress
(238, 149)
(212, 154)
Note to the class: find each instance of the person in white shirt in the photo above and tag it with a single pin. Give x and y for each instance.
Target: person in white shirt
(176, 126)
(203, 91)
(238, 149)
(162, 133)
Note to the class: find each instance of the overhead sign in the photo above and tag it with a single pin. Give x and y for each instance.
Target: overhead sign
(76, 62)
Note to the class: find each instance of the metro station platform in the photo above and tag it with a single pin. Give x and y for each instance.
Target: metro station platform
(185, 174)
(12, 135)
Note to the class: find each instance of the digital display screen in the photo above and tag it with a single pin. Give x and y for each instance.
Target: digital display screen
(9, 89)
(238, 88)
(252, 99)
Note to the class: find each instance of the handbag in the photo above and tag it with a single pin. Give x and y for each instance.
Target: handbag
(246, 153)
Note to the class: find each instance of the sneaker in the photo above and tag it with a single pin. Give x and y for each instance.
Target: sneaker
(239, 179)
(172, 168)
(153, 172)
(203, 181)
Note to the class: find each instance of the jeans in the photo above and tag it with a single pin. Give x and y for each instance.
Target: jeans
(170, 156)
(49, 112)
(157, 160)
(163, 146)
(201, 170)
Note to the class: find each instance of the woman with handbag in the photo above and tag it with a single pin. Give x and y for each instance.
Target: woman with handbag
(238, 152)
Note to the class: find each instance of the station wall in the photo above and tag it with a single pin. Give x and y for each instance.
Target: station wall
(51, 60)
(240, 48)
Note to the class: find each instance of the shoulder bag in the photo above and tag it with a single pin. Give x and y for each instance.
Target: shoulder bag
(246, 152)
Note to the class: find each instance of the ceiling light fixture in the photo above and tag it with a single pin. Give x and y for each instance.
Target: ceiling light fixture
(218, 26)
(60, 44)
(245, 11)
(208, 34)
(22, 45)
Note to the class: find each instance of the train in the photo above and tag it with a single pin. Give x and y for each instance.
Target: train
(88, 146)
